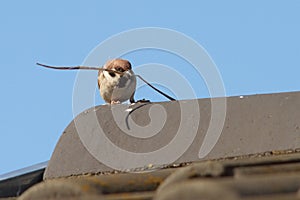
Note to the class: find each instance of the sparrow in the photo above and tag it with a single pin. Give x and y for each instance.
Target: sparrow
(118, 82)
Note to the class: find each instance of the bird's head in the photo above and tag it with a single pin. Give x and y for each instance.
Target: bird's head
(119, 65)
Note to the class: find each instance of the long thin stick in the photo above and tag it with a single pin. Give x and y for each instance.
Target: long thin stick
(79, 67)
(157, 90)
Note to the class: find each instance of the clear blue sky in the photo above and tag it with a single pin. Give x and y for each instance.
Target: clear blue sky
(255, 44)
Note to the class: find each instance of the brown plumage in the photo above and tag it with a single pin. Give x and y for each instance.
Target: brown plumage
(115, 87)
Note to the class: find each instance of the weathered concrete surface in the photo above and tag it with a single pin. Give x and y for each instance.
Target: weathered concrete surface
(253, 124)
(256, 177)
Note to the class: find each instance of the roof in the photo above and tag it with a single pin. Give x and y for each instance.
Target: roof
(266, 176)
(252, 124)
(15, 183)
(256, 155)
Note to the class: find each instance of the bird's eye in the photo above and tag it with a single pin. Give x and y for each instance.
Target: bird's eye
(119, 69)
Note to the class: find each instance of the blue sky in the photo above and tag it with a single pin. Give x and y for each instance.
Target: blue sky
(255, 45)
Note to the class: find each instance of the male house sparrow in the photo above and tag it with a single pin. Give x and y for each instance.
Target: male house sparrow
(117, 87)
